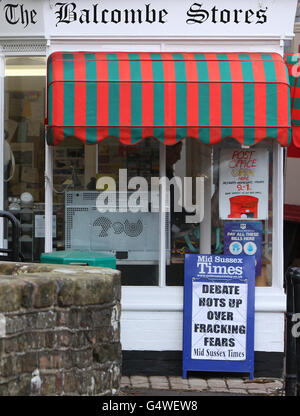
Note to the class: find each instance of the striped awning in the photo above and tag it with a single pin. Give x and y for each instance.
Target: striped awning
(293, 65)
(169, 96)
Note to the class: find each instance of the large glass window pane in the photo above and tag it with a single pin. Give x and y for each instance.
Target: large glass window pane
(243, 178)
(190, 163)
(24, 148)
(102, 199)
(237, 201)
(68, 177)
(134, 233)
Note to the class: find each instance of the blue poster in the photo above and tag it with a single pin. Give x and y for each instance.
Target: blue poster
(244, 237)
(218, 330)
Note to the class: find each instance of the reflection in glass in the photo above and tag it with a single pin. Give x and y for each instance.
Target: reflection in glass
(24, 146)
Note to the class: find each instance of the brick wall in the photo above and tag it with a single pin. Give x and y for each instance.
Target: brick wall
(59, 330)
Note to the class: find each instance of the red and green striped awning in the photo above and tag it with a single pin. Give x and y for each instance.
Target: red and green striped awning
(169, 96)
(293, 65)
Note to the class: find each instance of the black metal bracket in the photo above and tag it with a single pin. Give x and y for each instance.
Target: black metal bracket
(13, 253)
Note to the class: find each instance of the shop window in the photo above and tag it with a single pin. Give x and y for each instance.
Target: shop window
(237, 207)
(245, 202)
(111, 224)
(137, 235)
(68, 176)
(24, 149)
(225, 205)
(185, 237)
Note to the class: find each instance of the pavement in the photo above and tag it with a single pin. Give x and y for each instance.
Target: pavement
(177, 386)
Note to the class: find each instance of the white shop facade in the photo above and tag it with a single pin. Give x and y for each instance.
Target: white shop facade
(119, 86)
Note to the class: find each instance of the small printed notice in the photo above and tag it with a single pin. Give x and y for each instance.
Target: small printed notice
(219, 313)
(39, 226)
(244, 238)
(244, 184)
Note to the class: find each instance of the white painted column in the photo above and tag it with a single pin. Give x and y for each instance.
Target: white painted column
(162, 216)
(205, 226)
(48, 198)
(278, 201)
(2, 94)
(48, 183)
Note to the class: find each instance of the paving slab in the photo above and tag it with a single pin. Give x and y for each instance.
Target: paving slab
(238, 392)
(125, 381)
(140, 382)
(234, 383)
(179, 383)
(216, 383)
(157, 392)
(159, 382)
(176, 385)
(198, 384)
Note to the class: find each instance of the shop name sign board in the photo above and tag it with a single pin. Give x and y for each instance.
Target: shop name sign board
(196, 13)
(244, 184)
(218, 330)
(25, 18)
(138, 18)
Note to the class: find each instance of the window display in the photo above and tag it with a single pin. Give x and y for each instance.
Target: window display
(84, 224)
(239, 189)
(98, 209)
(24, 165)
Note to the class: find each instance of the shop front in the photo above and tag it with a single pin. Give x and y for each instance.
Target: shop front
(165, 131)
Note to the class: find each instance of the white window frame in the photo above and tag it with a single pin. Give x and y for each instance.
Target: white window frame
(30, 48)
(2, 94)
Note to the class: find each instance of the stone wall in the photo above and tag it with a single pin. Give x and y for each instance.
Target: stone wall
(59, 330)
